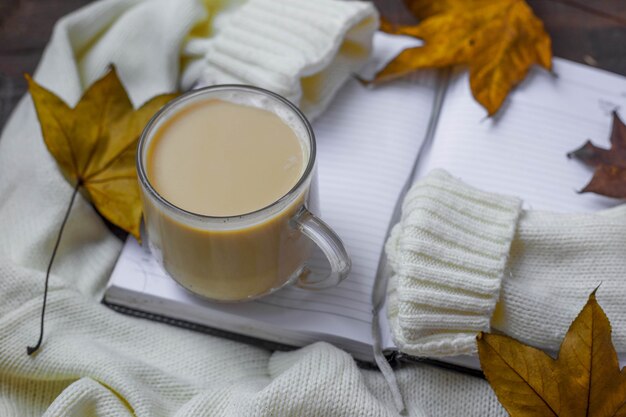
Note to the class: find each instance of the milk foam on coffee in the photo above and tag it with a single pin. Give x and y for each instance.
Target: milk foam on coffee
(225, 158)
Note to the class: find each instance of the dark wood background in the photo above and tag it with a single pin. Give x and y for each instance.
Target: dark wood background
(591, 32)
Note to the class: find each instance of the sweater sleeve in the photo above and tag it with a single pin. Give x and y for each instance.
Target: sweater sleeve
(448, 254)
(303, 50)
(557, 260)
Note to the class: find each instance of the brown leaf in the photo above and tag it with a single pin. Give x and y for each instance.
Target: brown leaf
(609, 178)
(499, 40)
(585, 379)
(95, 144)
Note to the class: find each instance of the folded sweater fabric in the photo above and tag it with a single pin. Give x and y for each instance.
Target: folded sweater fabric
(466, 261)
(96, 362)
(303, 50)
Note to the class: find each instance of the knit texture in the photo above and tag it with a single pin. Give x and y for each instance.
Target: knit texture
(303, 50)
(458, 250)
(448, 253)
(96, 362)
(556, 261)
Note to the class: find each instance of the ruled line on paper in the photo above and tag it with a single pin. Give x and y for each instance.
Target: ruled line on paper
(313, 310)
(523, 151)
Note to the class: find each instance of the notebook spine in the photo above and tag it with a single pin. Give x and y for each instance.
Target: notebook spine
(266, 344)
(396, 358)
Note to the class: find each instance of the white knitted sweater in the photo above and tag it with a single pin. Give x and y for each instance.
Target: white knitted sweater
(467, 261)
(95, 362)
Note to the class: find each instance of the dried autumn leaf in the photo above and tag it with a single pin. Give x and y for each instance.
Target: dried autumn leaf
(585, 379)
(609, 178)
(499, 40)
(95, 144)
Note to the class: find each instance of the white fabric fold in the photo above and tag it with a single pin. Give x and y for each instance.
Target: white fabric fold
(303, 50)
(97, 362)
(467, 261)
(448, 254)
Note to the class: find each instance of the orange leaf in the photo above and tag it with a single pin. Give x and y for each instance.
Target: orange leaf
(585, 380)
(499, 40)
(95, 143)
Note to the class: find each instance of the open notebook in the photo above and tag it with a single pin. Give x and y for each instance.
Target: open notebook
(371, 144)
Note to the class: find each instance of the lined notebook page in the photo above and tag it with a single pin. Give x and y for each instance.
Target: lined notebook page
(522, 151)
(368, 141)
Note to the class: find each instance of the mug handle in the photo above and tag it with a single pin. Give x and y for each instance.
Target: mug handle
(330, 244)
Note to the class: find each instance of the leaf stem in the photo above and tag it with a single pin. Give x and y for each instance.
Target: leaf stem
(32, 349)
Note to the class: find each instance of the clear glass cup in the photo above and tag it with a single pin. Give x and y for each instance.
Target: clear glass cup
(243, 257)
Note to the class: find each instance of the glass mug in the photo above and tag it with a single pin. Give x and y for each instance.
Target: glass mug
(243, 257)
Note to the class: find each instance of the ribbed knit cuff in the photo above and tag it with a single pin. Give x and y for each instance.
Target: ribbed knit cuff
(448, 254)
(301, 49)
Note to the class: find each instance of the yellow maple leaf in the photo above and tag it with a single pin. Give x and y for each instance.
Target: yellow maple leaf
(499, 40)
(95, 144)
(585, 379)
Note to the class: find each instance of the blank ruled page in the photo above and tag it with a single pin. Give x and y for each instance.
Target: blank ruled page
(367, 141)
(522, 151)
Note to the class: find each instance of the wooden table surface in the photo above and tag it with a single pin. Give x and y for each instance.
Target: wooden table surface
(593, 33)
